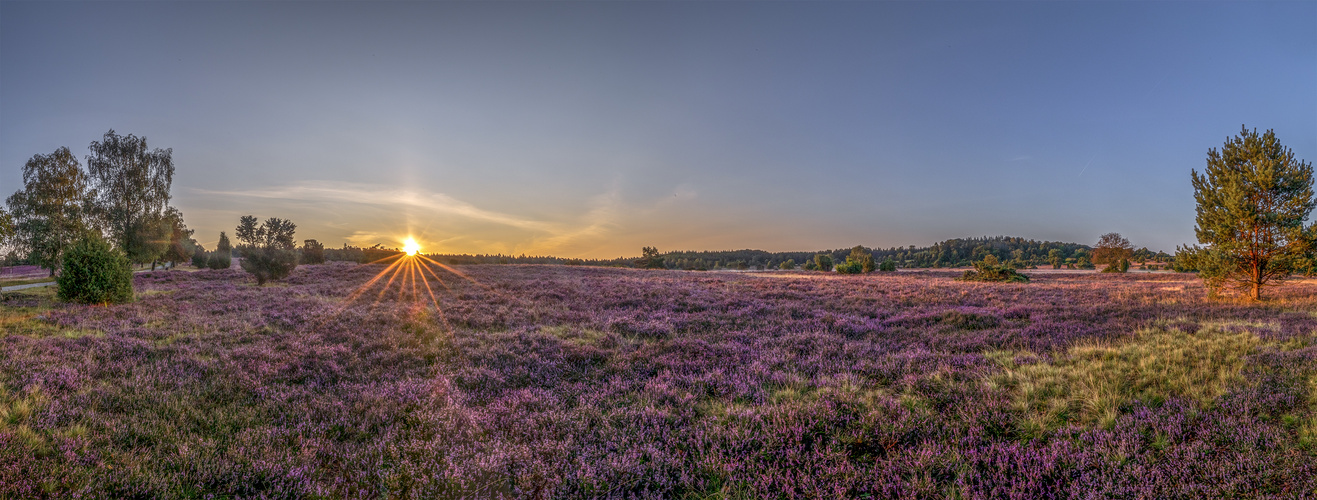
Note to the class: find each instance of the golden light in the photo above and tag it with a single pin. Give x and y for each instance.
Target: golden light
(411, 246)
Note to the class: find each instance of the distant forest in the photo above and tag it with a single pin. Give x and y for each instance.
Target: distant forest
(956, 252)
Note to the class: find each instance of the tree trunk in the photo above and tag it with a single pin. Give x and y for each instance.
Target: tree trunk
(1257, 282)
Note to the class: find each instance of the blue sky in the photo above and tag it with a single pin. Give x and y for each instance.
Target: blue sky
(591, 129)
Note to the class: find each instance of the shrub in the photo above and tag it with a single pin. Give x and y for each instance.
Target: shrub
(95, 273)
(850, 267)
(219, 259)
(788, 264)
(989, 269)
(823, 262)
(650, 259)
(313, 252)
(1119, 266)
(888, 265)
(199, 258)
(268, 251)
(269, 263)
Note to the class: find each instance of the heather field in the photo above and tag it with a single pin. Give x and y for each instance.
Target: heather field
(577, 382)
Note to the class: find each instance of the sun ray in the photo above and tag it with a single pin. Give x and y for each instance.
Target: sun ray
(362, 289)
(488, 288)
(392, 278)
(436, 277)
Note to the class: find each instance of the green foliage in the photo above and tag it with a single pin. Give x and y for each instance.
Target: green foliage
(268, 251)
(269, 263)
(199, 258)
(863, 257)
(181, 244)
(810, 266)
(1112, 248)
(95, 273)
(219, 260)
(51, 210)
(1083, 263)
(650, 259)
(132, 193)
(1186, 259)
(1253, 199)
(823, 262)
(313, 252)
(850, 267)
(787, 264)
(859, 261)
(1055, 258)
(990, 269)
(246, 231)
(1120, 266)
(6, 227)
(223, 245)
(887, 266)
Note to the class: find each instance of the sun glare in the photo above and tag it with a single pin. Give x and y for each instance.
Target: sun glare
(411, 246)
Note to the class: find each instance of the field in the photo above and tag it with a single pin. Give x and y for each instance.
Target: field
(575, 382)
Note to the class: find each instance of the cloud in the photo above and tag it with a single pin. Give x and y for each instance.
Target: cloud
(519, 234)
(385, 197)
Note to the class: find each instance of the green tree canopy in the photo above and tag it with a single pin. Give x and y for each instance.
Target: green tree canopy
(1253, 200)
(132, 193)
(49, 213)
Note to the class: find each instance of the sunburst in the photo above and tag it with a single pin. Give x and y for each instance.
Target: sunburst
(415, 276)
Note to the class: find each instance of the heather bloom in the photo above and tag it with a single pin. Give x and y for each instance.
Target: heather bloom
(578, 382)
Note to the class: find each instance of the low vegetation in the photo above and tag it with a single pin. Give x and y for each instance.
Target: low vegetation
(989, 269)
(95, 273)
(581, 382)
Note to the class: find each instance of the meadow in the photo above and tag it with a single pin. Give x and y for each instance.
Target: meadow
(579, 382)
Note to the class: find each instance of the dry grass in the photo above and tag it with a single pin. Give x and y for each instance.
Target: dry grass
(1089, 383)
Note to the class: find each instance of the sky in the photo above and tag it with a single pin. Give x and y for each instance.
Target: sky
(591, 129)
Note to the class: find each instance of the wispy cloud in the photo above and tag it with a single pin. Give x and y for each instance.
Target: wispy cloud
(385, 197)
(536, 236)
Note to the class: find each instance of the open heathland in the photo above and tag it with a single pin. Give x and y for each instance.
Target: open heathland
(578, 382)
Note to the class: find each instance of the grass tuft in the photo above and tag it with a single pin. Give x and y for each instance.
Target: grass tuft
(1089, 384)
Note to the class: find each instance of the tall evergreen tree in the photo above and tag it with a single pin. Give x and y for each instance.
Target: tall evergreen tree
(224, 245)
(1253, 199)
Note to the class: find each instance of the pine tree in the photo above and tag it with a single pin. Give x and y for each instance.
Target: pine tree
(1253, 200)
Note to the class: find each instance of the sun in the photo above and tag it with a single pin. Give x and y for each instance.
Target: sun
(410, 246)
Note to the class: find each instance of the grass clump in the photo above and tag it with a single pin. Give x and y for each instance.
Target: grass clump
(1089, 383)
(17, 410)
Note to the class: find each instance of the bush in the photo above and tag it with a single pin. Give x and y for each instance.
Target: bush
(888, 265)
(850, 267)
(788, 264)
(1118, 266)
(95, 273)
(269, 263)
(199, 259)
(219, 259)
(313, 252)
(823, 262)
(989, 269)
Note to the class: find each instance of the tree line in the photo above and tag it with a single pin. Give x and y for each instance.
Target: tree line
(122, 196)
